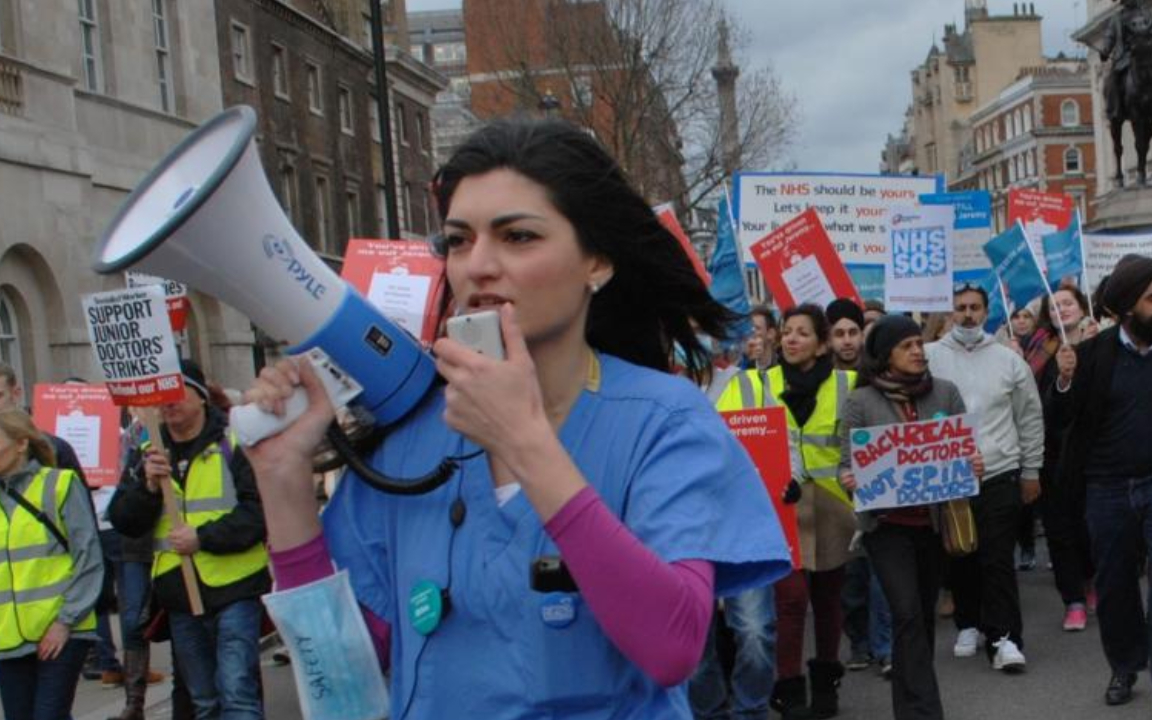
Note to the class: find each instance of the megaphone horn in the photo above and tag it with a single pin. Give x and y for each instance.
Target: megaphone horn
(206, 216)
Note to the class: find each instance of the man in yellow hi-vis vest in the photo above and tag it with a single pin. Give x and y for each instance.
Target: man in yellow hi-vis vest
(218, 652)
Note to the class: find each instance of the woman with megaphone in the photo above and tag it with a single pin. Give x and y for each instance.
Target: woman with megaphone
(568, 568)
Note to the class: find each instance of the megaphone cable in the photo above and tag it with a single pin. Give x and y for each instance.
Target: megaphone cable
(394, 486)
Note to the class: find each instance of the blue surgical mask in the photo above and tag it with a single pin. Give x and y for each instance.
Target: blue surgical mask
(338, 676)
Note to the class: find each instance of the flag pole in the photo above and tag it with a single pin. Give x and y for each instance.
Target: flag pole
(1004, 302)
(1084, 266)
(1047, 288)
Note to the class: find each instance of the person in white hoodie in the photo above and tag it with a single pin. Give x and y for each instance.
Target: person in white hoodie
(996, 384)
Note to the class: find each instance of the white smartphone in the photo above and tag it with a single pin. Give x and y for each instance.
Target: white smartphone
(479, 331)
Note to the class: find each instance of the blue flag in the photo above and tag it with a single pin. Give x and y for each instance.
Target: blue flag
(728, 272)
(1062, 253)
(1013, 261)
(997, 313)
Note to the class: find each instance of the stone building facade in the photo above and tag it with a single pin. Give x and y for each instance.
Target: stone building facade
(971, 69)
(92, 94)
(1036, 134)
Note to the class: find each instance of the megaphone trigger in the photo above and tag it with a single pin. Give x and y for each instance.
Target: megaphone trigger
(251, 424)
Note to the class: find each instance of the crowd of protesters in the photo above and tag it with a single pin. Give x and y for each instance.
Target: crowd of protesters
(678, 599)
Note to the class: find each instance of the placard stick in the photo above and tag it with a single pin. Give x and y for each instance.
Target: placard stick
(151, 419)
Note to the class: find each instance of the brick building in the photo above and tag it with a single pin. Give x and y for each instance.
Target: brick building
(1037, 134)
(560, 60)
(307, 68)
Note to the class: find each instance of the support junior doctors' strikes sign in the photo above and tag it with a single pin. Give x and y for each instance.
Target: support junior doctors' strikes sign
(915, 463)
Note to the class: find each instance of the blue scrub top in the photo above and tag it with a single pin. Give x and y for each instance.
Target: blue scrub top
(660, 458)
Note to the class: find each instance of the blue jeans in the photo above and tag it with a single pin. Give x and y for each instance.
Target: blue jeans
(219, 656)
(132, 580)
(867, 618)
(1119, 514)
(33, 689)
(751, 616)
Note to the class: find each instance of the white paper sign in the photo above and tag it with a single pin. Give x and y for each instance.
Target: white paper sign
(402, 298)
(135, 351)
(918, 271)
(807, 283)
(83, 433)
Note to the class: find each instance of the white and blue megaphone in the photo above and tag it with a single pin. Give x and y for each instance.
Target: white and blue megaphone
(206, 216)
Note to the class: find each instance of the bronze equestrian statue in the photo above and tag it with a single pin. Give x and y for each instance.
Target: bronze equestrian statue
(1128, 87)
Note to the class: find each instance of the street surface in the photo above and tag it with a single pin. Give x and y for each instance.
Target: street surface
(1065, 680)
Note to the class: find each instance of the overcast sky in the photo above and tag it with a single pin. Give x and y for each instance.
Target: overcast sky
(847, 62)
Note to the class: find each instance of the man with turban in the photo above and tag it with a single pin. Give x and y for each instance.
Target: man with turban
(1103, 397)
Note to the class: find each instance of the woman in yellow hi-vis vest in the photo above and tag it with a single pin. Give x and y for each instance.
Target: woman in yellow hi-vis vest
(51, 572)
(812, 393)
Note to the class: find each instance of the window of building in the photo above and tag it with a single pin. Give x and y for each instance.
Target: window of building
(374, 118)
(408, 214)
(453, 53)
(366, 22)
(345, 102)
(582, 91)
(421, 131)
(163, 54)
(10, 337)
(323, 235)
(401, 124)
(91, 64)
(352, 211)
(241, 52)
(427, 211)
(315, 90)
(382, 211)
(1027, 111)
(280, 84)
(1069, 113)
(1013, 166)
(1072, 161)
(289, 192)
(1030, 163)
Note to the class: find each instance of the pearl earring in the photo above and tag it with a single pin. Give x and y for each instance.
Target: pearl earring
(594, 287)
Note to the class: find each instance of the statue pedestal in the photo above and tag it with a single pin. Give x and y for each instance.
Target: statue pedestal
(1126, 209)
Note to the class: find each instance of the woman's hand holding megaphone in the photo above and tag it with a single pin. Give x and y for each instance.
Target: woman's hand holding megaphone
(283, 462)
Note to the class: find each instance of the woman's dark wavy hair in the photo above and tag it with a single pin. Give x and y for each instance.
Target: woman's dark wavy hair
(654, 293)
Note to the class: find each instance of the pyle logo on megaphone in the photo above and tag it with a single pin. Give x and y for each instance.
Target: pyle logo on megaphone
(277, 248)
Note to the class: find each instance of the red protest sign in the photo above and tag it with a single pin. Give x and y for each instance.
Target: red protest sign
(667, 216)
(1032, 206)
(401, 278)
(136, 353)
(88, 419)
(175, 296)
(800, 264)
(764, 434)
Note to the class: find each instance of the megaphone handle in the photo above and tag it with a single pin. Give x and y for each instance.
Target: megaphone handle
(251, 424)
(151, 419)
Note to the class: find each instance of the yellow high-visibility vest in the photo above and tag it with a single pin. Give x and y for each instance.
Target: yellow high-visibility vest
(35, 568)
(209, 492)
(819, 439)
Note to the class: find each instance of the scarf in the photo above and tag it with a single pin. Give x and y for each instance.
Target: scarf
(901, 388)
(1039, 348)
(801, 386)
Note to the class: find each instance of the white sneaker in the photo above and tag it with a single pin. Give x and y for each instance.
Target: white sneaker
(1008, 657)
(966, 642)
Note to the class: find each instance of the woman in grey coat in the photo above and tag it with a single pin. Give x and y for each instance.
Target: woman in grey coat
(903, 543)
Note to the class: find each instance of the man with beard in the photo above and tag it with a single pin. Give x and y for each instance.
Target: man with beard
(1102, 397)
(997, 386)
(846, 319)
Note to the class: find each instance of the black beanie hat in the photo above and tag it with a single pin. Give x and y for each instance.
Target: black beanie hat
(886, 333)
(844, 308)
(1128, 281)
(194, 377)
